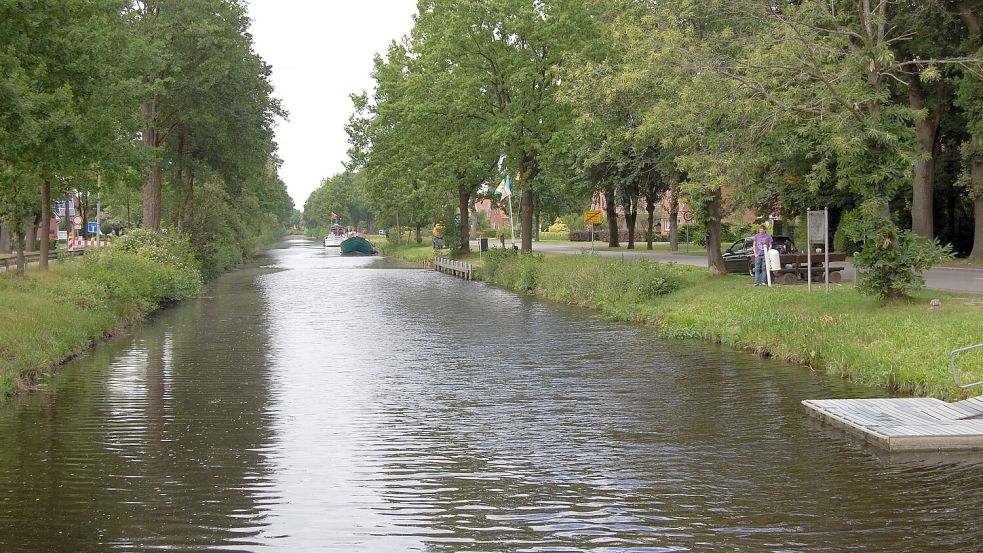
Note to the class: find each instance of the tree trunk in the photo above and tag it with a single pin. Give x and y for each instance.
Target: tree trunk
(399, 231)
(32, 234)
(463, 207)
(674, 217)
(45, 223)
(976, 178)
(924, 171)
(972, 21)
(189, 199)
(152, 189)
(419, 234)
(715, 260)
(612, 215)
(21, 246)
(4, 240)
(527, 209)
(650, 209)
(631, 219)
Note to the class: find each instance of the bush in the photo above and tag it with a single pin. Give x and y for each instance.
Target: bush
(558, 226)
(131, 279)
(511, 269)
(601, 236)
(842, 239)
(891, 259)
(574, 221)
(554, 235)
(173, 248)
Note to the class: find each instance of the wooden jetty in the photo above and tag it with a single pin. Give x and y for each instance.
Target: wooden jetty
(455, 268)
(906, 424)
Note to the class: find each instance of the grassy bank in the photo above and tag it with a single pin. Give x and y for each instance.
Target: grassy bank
(49, 317)
(902, 347)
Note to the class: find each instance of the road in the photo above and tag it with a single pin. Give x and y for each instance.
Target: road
(939, 278)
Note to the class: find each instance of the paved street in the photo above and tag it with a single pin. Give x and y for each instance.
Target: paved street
(942, 278)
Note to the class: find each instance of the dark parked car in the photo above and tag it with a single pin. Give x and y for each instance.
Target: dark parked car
(740, 259)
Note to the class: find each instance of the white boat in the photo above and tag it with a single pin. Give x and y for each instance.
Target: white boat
(335, 237)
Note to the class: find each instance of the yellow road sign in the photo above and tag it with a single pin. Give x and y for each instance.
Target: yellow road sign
(593, 217)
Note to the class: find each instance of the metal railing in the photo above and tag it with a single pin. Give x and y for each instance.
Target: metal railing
(10, 263)
(955, 370)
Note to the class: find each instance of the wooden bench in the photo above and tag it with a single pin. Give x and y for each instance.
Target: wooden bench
(801, 267)
(792, 276)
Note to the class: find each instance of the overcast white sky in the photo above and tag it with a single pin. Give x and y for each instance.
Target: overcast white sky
(321, 51)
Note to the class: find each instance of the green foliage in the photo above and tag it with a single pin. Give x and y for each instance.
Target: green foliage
(581, 280)
(891, 259)
(574, 221)
(844, 240)
(172, 248)
(51, 316)
(558, 226)
(343, 195)
(511, 269)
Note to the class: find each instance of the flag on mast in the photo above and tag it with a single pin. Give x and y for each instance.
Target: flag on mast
(504, 189)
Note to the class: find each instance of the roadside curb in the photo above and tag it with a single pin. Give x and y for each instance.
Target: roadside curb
(951, 268)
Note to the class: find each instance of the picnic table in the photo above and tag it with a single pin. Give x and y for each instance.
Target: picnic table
(795, 267)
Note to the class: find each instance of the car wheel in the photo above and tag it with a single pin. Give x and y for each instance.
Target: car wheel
(750, 267)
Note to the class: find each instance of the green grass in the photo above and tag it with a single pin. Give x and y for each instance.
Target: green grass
(902, 347)
(48, 317)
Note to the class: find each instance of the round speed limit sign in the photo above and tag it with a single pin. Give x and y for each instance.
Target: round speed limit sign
(687, 216)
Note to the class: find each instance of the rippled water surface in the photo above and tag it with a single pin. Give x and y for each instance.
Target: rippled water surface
(320, 403)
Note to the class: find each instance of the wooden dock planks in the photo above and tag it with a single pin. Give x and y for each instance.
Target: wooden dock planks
(906, 424)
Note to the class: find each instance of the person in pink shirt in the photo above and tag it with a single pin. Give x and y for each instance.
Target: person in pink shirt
(762, 243)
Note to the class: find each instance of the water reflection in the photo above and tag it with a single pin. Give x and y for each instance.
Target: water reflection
(342, 404)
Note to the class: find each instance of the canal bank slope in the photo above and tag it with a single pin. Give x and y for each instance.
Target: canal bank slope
(46, 318)
(901, 346)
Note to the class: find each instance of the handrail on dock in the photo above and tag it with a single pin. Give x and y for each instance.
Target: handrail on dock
(453, 267)
(955, 370)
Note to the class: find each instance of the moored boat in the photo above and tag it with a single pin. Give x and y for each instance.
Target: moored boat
(335, 236)
(356, 245)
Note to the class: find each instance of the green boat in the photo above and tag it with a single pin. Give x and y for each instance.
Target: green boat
(356, 245)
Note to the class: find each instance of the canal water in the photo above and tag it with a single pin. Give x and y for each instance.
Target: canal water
(320, 403)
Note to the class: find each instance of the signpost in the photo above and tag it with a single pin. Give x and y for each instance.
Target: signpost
(817, 232)
(688, 217)
(593, 217)
(77, 221)
(93, 228)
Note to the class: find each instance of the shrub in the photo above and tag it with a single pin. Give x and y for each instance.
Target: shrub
(601, 236)
(511, 269)
(554, 235)
(171, 249)
(842, 239)
(558, 226)
(891, 258)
